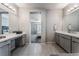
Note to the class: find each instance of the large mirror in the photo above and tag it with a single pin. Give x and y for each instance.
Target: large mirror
(4, 21)
(71, 20)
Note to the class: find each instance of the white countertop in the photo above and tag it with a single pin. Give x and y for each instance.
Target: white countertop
(74, 34)
(10, 37)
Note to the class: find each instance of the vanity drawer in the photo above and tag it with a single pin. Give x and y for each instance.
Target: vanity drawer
(66, 36)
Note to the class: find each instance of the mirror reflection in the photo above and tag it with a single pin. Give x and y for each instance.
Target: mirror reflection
(4, 21)
(71, 22)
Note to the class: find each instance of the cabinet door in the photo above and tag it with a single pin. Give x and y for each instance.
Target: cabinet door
(57, 38)
(67, 45)
(4, 50)
(65, 42)
(75, 45)
(61, 42)
(12, 44)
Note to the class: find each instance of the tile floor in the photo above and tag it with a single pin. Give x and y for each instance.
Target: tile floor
(38, 49)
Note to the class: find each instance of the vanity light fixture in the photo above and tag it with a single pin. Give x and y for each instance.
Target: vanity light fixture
(8, 6)
(74, 7)
(70, 9)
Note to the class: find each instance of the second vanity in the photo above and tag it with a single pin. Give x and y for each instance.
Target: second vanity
(8, 43)
(68, 41)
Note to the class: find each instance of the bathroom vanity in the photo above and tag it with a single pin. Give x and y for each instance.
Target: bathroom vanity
(68, 41)
(7, 44)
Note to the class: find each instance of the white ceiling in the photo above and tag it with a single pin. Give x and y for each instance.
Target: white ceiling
(43, 5)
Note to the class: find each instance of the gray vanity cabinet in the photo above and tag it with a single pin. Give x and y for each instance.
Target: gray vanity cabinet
(12, 44)
(67, 45)
(23, 40)
(5, 48)
(64, 42)
(57, 38)
(75, 45)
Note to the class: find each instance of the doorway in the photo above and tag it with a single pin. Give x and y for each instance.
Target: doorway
(35, 18)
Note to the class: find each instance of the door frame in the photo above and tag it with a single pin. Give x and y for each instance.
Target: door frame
(43, 25)
(30, 22)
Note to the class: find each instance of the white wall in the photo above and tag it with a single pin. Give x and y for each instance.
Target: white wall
(13, 22)
(43, 25)
(53, 17)
(24, 24)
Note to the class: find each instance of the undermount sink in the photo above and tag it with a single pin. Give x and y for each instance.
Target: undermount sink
(1, 37)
